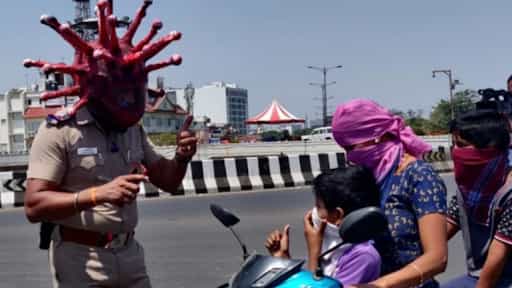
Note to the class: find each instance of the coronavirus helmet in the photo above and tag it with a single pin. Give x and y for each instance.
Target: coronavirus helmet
(109, 73)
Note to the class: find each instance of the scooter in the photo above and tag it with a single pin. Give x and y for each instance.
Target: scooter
(260, 271)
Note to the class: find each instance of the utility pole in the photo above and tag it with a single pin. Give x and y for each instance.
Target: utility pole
(452, 84)
(324, 85)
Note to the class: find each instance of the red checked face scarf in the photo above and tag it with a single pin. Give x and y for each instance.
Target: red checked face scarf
(479, 174)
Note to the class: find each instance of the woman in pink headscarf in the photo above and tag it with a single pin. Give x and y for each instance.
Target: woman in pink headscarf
(413, 196)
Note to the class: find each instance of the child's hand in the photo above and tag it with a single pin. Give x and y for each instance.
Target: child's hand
(278, 243)
(314, 236)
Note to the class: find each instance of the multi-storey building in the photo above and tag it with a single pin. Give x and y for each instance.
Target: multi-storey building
(223, 103)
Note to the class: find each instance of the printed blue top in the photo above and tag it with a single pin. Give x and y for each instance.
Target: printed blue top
(405, 198)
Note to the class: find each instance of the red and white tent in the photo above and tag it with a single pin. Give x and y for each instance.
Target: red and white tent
(274, 114)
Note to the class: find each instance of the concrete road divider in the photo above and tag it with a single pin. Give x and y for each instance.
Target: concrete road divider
(12, 191)
(232, 175)
(441, 159)
(252, 173)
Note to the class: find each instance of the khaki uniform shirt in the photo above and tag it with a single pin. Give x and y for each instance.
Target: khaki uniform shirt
(78, 155)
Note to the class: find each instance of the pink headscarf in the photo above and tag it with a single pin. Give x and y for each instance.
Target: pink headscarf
(359, 121)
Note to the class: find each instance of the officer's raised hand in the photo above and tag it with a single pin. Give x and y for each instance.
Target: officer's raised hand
(120, 191)
(186, 142)
(167, 174)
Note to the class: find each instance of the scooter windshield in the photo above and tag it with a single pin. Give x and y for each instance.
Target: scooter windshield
(260, 271)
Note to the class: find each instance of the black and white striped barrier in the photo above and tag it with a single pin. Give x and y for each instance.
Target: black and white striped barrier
(12, 190)
(231, 175)
(441, 159)
(253, 173)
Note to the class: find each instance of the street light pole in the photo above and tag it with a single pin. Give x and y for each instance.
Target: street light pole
(324, 85)
(452, 83)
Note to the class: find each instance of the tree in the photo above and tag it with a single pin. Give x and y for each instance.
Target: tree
(441, 113)
(273, 135)
(414, 119)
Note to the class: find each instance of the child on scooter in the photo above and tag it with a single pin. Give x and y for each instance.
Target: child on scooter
(337, 193)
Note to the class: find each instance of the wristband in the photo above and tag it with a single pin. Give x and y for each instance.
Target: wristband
(93, 196)
(75, 203)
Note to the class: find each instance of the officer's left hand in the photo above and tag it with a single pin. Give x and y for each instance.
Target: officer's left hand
(186, 142)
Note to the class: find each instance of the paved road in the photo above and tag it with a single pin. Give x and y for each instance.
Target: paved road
(184, 246)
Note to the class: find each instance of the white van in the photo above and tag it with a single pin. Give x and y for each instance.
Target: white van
(319, 134)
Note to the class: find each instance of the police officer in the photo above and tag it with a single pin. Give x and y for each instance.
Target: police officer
(88, 160)
(84, 176)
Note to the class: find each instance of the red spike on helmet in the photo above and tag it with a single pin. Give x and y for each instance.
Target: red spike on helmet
(110, 72)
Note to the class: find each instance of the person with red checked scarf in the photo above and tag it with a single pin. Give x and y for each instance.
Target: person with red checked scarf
(482, 207)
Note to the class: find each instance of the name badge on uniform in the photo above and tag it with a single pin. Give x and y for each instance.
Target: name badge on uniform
(87, 151)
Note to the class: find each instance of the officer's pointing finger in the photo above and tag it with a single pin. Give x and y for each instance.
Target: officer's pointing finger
(135, 178)
(186, 134)
(186, 124)
(188, 141)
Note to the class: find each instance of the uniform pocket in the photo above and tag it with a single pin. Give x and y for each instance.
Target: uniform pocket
(87, 162)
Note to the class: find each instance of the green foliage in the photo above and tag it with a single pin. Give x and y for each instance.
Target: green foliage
(415, 120)
(301, 132)
(441, 113)
(163, 139)
(421, 126)
(439, 120)
(272, 136)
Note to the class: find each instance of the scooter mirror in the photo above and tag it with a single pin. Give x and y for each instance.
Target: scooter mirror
(225, 217)
(363, 225)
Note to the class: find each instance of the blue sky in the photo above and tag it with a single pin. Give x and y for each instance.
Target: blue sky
(388, 48)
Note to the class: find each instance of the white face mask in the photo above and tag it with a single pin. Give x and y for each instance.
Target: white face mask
(331, 230)
(331, 238)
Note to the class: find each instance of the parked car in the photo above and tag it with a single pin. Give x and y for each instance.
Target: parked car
(319, 134)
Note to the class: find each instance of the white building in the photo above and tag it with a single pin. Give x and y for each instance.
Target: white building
(13, 130)
(223, 103)
(12, 127)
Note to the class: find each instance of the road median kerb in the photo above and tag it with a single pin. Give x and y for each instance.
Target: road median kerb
(249, 174)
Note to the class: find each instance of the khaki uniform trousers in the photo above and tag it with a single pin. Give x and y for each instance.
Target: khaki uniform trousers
(75, 266)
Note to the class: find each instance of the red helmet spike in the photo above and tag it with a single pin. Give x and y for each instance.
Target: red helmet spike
(110, 8)
(141, 13)
(110, 74)
(114, 41)
(152, 49)
(155, 27)
(63, 68)
(69, 35)
(174, 60)
(102, 22)
(60, 93)
(28, 63)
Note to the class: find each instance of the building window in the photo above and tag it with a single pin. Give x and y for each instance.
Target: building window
(146, 122)
(17, 138)
(17, 116)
